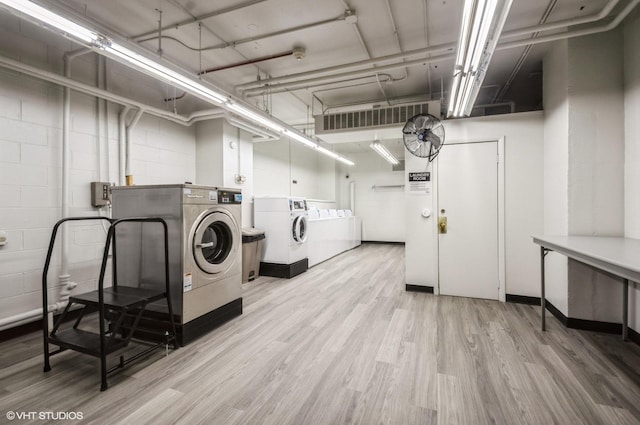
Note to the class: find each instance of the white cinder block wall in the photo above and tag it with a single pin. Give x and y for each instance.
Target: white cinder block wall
(632, 147)
(31, 164)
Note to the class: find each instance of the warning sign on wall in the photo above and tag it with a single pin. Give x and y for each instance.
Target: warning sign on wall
(420, 182)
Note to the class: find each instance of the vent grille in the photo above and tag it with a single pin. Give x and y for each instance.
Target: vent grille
(370, 118)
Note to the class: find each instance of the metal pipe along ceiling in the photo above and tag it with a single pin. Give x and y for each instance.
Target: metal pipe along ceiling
(441, 48)
(121, 100)
(246, 40)
(264, 85)
(201, 18)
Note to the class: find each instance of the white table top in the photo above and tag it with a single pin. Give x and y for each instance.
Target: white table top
(618, 256)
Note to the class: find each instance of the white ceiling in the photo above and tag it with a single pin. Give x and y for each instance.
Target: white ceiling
(419, 23)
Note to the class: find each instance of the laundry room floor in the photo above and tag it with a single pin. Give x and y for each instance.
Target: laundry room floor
(344, 343)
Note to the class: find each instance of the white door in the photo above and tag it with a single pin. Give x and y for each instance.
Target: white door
(468, 198)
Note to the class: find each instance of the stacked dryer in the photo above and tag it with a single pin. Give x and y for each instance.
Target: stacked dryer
(284, 221)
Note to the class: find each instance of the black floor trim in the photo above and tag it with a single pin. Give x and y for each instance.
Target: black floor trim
(418, 288)
(284, 270)
(207, 322)
(591, 325)
(522, 299)
(384, 242)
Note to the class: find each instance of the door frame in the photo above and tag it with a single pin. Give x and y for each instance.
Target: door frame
(501, 215)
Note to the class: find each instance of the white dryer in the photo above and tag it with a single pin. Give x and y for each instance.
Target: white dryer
(284, 221)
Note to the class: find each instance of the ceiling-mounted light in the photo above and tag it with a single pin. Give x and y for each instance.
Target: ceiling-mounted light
(482, 23)
(140, 62)
(384, 152)
(45, 16)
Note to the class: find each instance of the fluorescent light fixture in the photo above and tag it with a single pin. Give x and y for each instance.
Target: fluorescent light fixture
(108, 47)
(155, 69)
(482, 23)
(51, 19)
(345, 161)
(247, 113)
(298, 137)
(384, 152)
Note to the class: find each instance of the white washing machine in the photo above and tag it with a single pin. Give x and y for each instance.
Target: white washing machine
(205, 238)
(284, 221)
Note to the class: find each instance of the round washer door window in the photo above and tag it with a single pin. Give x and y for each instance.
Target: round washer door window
(215, 242)
(300, 229)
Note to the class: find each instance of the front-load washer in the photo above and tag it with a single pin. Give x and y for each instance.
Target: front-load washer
(205, 237)
(284, 221)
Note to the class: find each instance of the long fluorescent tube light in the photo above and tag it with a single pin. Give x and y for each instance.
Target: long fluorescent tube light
(482, 23)
(45, 16)
(108, 47)
(384, 152)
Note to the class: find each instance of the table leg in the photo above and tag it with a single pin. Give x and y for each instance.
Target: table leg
(543, 253)
(625, 309)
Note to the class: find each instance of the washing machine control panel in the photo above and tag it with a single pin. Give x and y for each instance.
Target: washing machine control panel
(297, 205)
(229, 197)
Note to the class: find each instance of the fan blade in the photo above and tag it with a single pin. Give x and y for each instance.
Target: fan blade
(420, 122)
(435, 140)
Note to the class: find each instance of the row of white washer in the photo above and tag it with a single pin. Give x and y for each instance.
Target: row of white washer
(328, 213)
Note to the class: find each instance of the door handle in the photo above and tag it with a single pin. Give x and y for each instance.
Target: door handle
(204, 245)
(442, 225)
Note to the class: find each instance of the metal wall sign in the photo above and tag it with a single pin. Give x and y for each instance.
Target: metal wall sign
(420, 182)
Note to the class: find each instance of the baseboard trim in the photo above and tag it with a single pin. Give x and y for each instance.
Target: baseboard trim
(418, 288)
(286, 271)
(522, 299)
(384, 242)
(591, 325)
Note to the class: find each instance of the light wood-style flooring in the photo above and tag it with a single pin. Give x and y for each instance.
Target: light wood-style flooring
(344, 343)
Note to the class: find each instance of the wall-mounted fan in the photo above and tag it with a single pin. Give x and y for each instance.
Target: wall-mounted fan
(423, 136)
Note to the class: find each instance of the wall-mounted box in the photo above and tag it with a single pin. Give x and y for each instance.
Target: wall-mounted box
(100, 194)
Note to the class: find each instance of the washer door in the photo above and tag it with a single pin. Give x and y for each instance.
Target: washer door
(299, 229)
(215, 242)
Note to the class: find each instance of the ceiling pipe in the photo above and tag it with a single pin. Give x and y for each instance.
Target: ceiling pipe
(120, 100)
(428, 50)
(594, 29)
(296, 85)
(248, 39)
(523, 57)
(359, 64)
(564, 23)
(395, 34)
(247, 62)
(200, 18)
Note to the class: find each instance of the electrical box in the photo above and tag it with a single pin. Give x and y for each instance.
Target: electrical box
(100, 194)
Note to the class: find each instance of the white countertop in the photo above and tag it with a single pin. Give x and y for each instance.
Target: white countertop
(617, 255)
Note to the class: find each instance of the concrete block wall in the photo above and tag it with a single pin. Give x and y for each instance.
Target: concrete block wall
(632, 147)
(31, 165)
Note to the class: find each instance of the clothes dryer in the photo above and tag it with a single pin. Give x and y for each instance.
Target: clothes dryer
(284, 220)
(205, 237)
